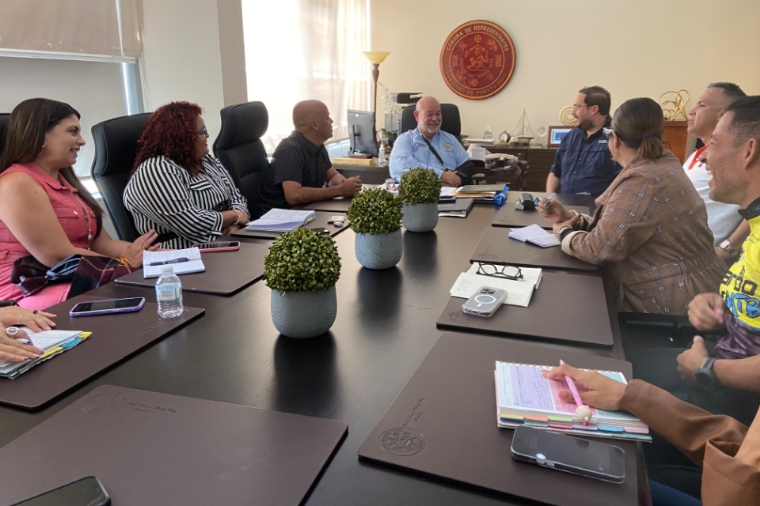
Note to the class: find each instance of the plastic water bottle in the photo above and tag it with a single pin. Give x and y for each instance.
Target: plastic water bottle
(169, 293)
(381, 154)
(488, 135)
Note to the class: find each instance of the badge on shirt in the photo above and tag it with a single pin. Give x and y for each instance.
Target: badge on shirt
(447, 147)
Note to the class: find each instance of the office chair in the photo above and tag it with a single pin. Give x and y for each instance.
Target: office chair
(238, 146)
(3, 121)
(451, 122)
(115, 152)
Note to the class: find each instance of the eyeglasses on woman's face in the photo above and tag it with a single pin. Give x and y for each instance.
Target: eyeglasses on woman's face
(203, 131)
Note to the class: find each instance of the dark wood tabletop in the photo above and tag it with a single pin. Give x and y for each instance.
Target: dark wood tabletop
(386, 325)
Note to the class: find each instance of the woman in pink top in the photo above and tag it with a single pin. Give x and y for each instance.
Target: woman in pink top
(44, 209)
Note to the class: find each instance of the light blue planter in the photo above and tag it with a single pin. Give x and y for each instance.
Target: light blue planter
(379, 251)
(304, 314)
(420, 217)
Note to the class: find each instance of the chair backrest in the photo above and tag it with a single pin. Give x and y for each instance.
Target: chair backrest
(240, 149)
(451, 122)
(115, 152)
(3, 121)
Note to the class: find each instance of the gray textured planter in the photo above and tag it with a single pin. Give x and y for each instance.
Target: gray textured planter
(304, 314)
(420, 217)
(379, 251)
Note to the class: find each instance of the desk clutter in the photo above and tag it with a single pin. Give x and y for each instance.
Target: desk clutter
(51, 342)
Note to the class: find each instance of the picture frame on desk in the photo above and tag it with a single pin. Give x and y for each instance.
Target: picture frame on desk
(556, 134)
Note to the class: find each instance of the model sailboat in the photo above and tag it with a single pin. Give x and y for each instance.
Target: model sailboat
(523, 132)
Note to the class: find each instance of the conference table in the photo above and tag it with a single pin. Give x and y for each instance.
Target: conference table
(386, 325)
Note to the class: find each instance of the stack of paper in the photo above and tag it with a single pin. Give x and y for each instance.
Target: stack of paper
(183, 261)
(536, 235)
(525, 397)
(519, 291)
(282, 220)
(51, 342)
(458, 209)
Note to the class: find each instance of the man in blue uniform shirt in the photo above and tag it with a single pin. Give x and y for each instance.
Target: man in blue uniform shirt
(427, 146)
(582, 163)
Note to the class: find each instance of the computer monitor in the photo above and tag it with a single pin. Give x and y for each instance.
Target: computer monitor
(361, 132)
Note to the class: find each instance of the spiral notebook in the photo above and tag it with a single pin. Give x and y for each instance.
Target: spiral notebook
(525, 397)
(183, 261)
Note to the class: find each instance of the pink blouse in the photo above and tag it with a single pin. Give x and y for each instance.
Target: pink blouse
(70, 212)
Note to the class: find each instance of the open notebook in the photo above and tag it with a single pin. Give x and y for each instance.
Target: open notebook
(51, 342)
(525, 397)
(183, 261)
(534, 234)
(282, 220)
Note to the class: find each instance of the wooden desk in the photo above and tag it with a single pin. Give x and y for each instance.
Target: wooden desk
(385, 327)
(371, 174)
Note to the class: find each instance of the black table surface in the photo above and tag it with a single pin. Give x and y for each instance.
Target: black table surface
(384, 329)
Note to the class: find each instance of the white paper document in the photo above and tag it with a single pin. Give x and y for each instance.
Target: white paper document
(183, 261)
(282, 220)
(536, 235)
(519, 292)
(45, 340)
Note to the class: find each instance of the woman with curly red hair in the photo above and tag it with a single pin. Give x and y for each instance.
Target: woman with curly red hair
(177, 188)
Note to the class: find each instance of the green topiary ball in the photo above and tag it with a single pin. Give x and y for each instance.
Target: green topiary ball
(375, 211)
(420, 186)
(302, 260)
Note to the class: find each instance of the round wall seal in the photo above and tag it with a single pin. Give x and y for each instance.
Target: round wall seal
(402, 441)
(104, 403)
(477, 59)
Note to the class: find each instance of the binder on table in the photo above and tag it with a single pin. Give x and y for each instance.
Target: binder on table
(525, 397)
(459, 208)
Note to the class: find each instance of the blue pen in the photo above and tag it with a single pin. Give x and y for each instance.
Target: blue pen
(546, 202)
(168, 262)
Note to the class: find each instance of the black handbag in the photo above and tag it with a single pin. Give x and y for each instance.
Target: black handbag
(31, 276)
(464, 171)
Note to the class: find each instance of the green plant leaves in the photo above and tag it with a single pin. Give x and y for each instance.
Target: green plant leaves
(419, 186)
(375, 211)
(302, 260)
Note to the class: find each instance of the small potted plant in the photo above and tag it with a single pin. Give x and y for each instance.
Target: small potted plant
(419, 190)
(302, 268)
(375, 216)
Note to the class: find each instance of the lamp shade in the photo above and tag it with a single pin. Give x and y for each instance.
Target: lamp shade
(376, 57)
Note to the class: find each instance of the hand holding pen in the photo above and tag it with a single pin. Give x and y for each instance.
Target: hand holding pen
(552, 210)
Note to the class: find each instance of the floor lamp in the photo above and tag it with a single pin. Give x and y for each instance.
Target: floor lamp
(376, 58)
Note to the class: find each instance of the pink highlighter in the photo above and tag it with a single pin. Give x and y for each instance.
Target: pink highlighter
(586, 412)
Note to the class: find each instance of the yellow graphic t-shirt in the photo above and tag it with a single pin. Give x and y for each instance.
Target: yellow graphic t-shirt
(740, 285)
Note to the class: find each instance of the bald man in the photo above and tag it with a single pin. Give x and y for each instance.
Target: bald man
(301, 171)
(427, 146)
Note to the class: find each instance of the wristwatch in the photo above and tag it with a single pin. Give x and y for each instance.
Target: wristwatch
(705, 375)
(726, 245)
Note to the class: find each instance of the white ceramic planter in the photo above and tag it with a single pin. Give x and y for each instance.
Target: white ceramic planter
(379, 251)
(304, 314)
(420, 217)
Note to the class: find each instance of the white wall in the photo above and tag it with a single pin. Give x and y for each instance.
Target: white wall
(181, 57)
(631, 47)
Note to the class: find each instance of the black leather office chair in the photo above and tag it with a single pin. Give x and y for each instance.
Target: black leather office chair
(240, 149)
(451, 122)
(3, 121)
(115, 152)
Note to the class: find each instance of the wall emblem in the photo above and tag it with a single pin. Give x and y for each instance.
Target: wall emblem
(477, 60)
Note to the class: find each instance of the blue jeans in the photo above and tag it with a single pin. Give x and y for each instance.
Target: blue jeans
(666, 496)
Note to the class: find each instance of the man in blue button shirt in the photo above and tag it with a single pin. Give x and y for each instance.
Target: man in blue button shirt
(427, 146)
(582, 163)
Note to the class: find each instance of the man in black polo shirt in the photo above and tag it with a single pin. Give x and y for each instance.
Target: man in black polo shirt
(582, 163)
(301, 166)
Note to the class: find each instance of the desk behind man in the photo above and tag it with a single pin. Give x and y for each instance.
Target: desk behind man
(582, 163)
(301, 166)
(429, 147)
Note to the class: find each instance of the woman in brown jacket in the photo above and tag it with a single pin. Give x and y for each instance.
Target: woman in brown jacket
(650, 225)
(727, 451)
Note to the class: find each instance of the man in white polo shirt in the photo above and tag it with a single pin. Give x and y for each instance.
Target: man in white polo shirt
(728, 227)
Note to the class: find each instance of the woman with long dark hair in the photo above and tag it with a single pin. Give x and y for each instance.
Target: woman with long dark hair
(45, 211)
(650, 226)
(178, 189)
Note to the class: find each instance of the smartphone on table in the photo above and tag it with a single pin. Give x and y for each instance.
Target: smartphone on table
(209, 247)
(108, 306)
(85, 492)
(485, 302)
(592, 459)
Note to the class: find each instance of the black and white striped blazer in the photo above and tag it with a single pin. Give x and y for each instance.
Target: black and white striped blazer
(163, 197)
